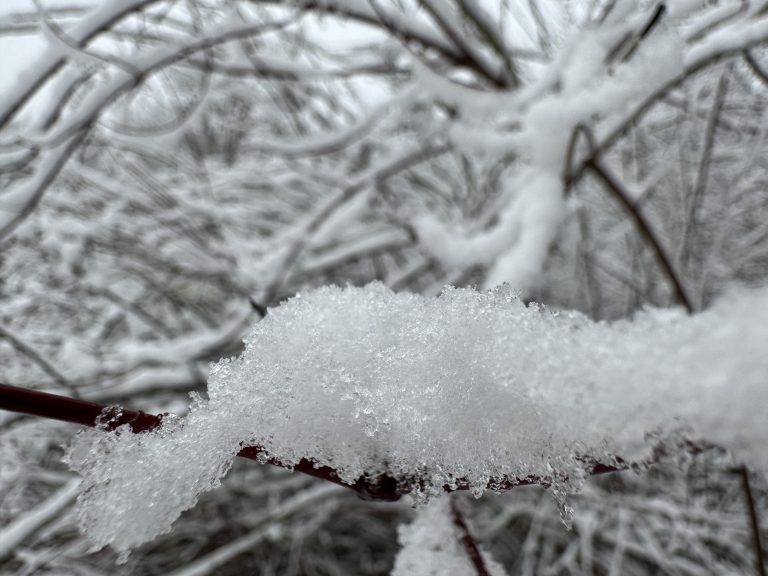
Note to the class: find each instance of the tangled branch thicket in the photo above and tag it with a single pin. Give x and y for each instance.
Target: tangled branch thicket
(169, 170)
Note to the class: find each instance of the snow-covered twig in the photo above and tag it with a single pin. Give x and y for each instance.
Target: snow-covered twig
(220, 556)
(95, 23)
(383, 487)
(21, 529)
(34, 355)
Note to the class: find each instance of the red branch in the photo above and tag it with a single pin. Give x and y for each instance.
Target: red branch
(383, 487)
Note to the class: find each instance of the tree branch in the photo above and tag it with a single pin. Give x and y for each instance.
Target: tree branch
(594, 163)
(383, 487)
(85, 31)
(753, 519)
(38, 359)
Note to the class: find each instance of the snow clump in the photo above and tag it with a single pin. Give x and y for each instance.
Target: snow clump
(471, 386)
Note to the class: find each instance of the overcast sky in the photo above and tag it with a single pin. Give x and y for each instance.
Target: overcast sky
(18, 51)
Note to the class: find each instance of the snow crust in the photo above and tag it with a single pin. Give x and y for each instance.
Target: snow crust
(469, 385)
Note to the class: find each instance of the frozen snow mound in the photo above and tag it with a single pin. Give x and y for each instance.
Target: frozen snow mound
(469, 385)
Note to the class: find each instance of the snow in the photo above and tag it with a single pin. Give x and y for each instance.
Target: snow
(540, 209)
(431, 546)
(731, 38)
(516, 247)
(580, 87)
(472, 386)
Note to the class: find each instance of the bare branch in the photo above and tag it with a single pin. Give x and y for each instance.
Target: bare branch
(469, 544)
(594, 163)
(97, 22)
(754, 522)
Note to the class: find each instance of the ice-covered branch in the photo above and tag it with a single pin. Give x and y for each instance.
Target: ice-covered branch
(395, 393)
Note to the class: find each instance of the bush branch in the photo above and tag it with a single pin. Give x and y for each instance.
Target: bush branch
(383, 487)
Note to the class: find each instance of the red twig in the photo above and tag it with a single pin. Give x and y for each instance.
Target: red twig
(56, 407)
(383, 487)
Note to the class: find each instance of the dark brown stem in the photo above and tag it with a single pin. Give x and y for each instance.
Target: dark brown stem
(56, 407)
(705, 163)
(647, 231)
(753, 519)
(602, 173)
(755, 67)
(470, 546)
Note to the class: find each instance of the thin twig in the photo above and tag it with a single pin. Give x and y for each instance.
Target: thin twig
(755, 67)
(474, 58)
(594, 163)
(260, 309)
(477, 16)
(26, 349)
(470, 546)
(753, 519)
(647, 29)
(647, 231)
(705, 164)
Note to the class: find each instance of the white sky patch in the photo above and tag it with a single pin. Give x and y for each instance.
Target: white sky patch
(20, 52)
(17, 51)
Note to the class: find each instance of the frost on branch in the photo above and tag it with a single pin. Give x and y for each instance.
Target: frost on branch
(469, 385)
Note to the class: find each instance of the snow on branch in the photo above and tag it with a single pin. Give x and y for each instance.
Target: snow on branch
(96, 22)
(469, 387)
(605, 77)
